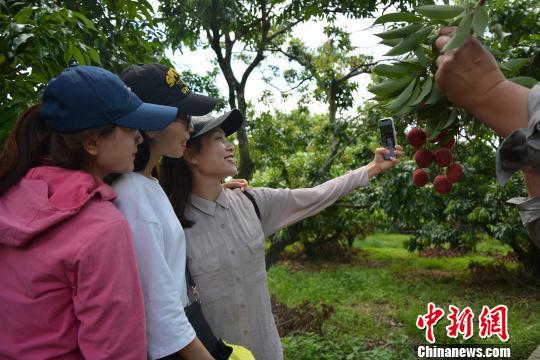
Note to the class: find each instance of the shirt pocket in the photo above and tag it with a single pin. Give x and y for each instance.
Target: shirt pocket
(208, 278)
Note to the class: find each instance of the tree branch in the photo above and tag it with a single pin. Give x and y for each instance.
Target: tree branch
(265, 27)
(357, 70)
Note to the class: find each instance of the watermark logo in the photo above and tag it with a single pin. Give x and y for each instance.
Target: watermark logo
(491, 322)
(461, 322)
(429, 320)
(494, 322)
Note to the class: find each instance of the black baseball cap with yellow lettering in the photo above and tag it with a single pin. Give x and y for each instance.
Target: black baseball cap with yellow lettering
(160, 84)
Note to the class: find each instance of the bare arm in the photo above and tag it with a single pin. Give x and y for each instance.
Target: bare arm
(470, 77)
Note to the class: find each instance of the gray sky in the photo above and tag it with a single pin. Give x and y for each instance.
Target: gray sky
(312, 35)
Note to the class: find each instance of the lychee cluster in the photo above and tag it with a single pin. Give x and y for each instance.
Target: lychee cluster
(441, 156)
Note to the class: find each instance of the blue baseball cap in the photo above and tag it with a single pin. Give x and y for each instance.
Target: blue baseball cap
(85, 97)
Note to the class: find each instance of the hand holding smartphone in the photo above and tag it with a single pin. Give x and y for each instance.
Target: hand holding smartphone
(388, 137)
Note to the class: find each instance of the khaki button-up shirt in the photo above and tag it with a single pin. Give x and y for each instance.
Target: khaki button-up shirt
(225, 251)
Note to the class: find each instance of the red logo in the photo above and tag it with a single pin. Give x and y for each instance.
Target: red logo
(490, 322)
(460, 323)
(494, 322)
(429, 320)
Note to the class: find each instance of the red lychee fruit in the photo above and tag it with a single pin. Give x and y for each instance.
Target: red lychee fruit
(454, 172)
(420, 177)
(449, 143)
(416, 137)
(443, 157)
(442, 185)
(423, 158)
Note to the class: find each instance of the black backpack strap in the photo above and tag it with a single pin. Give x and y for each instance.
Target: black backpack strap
(252, 199)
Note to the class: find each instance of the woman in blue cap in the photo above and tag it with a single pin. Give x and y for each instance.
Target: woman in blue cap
(69, 287)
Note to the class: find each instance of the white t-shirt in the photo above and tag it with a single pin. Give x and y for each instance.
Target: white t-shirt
(160, 246)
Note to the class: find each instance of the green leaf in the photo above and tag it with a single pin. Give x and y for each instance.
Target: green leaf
(525, 81)
(85, 20)
(400, 32)
(414, 94)
(394, 70)
(436, 123)
(480, 21)
(397, 17)
(434, 96)
(514, 65)
(8, 116)
(402, 98)
(426, 88)
(94, 56)
(389, 87)
(77, 54)
(21, 39)
(462, 32)
(413, 62)
(421, 55)
(23, 15)
(451, 119)
(390, 42)
(69, 52)
(440, 12)
(405, 110)
(2, 58)
(410, 43)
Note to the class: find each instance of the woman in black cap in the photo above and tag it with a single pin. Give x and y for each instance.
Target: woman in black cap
(158, 236)
(69, 287)
(225, 229)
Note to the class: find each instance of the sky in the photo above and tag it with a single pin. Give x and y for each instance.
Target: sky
(311, 33)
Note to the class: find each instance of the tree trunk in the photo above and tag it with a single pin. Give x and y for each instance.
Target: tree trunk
(530, 258)
(279, 243)
(246, 167)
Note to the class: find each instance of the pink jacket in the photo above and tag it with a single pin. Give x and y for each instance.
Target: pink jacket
(69, 286)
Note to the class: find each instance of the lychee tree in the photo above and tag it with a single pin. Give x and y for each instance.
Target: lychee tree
(405, 89)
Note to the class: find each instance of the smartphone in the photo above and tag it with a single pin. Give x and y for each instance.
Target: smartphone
(388, 137)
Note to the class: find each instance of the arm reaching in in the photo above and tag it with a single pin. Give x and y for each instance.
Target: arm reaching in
(470, 77)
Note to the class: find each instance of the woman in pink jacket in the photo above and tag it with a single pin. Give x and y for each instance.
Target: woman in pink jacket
(69, 286)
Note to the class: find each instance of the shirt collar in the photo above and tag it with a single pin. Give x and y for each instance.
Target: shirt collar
(209, 207)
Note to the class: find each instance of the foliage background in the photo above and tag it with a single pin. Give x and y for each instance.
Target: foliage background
(298, 148)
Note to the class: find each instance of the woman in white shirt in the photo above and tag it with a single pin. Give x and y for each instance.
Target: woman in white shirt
(158, 236)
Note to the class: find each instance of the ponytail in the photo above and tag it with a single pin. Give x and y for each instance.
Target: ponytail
(31, 143)
(25, 147)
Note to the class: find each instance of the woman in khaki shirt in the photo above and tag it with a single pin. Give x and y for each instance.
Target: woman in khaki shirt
(225, 237)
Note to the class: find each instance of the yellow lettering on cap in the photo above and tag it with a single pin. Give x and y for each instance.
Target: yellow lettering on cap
(172, 77)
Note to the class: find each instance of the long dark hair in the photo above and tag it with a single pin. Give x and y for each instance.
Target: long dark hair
(176, 179)
(31, 143)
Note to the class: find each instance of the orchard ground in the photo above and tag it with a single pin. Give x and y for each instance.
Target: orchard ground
(367, 308)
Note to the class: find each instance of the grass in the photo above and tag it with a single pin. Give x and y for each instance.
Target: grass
(378, 297)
